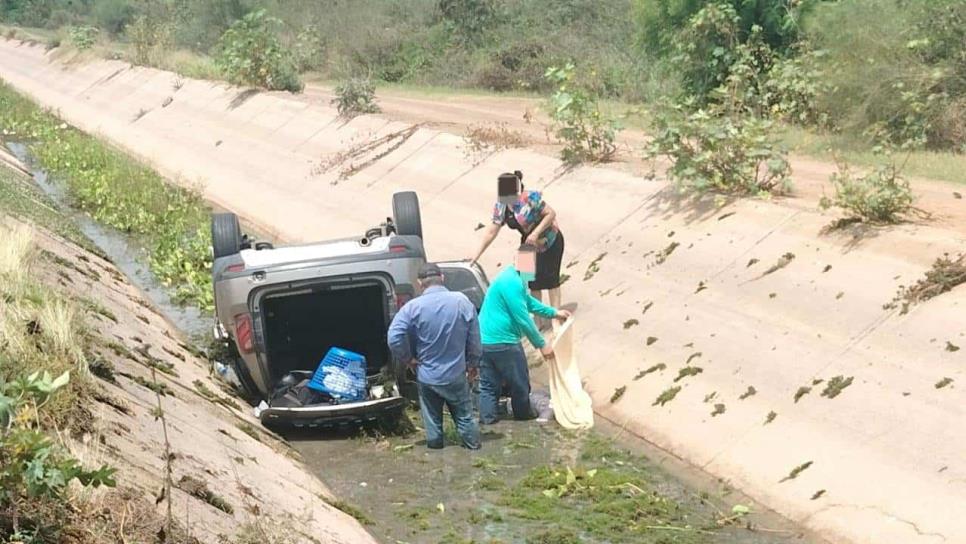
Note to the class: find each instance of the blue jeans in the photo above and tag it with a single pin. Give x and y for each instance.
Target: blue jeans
(504, 363)
(456, 396)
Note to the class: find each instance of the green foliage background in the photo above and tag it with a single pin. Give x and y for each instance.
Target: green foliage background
(892, 68)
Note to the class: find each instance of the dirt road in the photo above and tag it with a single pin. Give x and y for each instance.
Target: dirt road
(749, 345)
(525, 117)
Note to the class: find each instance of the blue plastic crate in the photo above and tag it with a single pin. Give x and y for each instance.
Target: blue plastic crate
(342, 374)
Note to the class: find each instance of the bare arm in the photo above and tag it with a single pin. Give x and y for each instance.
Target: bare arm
(547, 216)
(489, 235)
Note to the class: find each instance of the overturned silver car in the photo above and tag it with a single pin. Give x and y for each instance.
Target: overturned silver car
(280, 310)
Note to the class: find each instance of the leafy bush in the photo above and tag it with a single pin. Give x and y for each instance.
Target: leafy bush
(714, 152)
(33, 467)
(791, 90)
(150, 39)
(896, 66)
(468, 19)
(587, 134)
(113, 15)
(308, 49)
(659, 20)
(760, 82)
(250, 53)
(706, 48)
(82, 37)
(355, 96)
(880, 196)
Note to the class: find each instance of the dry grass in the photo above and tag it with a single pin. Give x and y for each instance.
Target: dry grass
(17, 254)
(946, 274)
(40, 329)
(483, 139)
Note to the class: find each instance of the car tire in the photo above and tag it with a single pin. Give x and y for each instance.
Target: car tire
(226, 235)
(405, 214)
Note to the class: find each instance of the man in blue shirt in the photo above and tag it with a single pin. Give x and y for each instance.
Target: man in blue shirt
(438, 333)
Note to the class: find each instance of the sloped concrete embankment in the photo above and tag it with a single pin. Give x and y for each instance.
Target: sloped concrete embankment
(747, 292)
(229, 477)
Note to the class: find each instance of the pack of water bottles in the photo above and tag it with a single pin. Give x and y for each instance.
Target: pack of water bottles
(341, 374)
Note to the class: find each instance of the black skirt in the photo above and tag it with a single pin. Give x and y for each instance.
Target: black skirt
(548, 266)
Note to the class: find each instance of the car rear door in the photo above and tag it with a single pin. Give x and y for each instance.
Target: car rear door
(466, 278)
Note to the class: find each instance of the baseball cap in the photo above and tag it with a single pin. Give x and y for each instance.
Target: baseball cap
(429, 270)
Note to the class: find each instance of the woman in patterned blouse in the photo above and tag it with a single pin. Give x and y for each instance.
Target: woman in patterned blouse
(527, 213)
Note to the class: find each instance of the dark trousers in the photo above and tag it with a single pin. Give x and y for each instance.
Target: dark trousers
(456, 396)
(504, 363)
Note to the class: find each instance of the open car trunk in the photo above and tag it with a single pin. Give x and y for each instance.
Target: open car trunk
(302, 323)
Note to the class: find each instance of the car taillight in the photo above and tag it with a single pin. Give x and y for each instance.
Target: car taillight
(235, 268)
(402, 298)
(398, 248)
(243, 333)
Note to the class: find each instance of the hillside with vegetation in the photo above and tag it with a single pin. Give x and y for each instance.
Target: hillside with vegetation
(879, 70)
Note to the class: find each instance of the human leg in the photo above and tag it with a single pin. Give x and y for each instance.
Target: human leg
(517, 375)
(490, 387)
(431, 408)
(460, 405)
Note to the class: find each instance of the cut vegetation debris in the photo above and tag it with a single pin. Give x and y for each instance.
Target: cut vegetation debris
(802, 391)
(836, 385)
(701, 287)
(650, 340)
(630, 323)
(665, 253)
(618, 393)
(594, 266)
(667, 396)
(946, 273)
(770, 417)
(687, 372)
(950, 347)
(655, 368)
(796, 471)
(693, 356)
(751, 391)
(718, 410)
(784, 261)
(943, 382)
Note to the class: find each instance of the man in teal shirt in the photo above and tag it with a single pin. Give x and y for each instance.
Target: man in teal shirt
(504, 320)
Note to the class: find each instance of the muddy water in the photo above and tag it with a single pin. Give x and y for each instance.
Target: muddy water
(124, 252)
(411, 494)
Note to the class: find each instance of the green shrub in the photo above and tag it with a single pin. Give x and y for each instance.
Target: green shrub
(895, 66)
(879, 196)
(150, 39)
(710, 151)
(113, 15)
(706, 48)
(792, 87)
(82, 37)
(658, 21)
(35, 470)
(587, 134)
(250, 53)
(308, 49)
(355, 96)
(468, 19)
